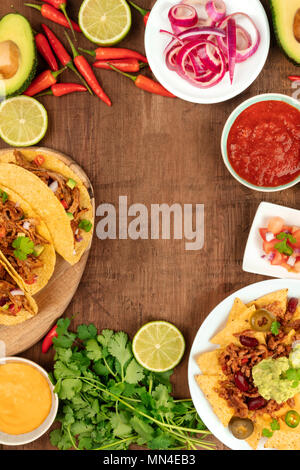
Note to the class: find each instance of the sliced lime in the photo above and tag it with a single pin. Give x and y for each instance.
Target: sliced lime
(105, 22)
(158, 346)
(23, 121)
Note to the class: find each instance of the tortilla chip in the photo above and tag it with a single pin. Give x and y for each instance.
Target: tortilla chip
(260, 422)
(226, 336)
(284, 440)
(45, 203)
(237, 309)
(47, 257)
(208, 362)
(276, 302)
(208, 383)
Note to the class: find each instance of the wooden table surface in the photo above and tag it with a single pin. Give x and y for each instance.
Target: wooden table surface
(156, 150)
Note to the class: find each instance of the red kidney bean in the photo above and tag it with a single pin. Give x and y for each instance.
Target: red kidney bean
(256, 403)
(248, 341)
(292, 305)
(241, 382)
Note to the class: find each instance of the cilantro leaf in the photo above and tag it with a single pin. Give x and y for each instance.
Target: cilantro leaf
(143, 429)
(69, 388)
(275, 426)
(134, 372)
(23, 247)
(118, 348)
(93, 350)
(105, 337)
(85, 332)
(275, 327)
(120, 424)
(267, 433)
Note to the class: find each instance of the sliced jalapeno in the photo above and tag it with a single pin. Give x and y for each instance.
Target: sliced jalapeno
(292, 418)
(261, 320)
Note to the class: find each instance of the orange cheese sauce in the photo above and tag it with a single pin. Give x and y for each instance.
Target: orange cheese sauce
(25, 398)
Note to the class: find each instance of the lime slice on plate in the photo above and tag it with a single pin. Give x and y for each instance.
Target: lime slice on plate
(105, 22)
(158, 346)
(23, 121)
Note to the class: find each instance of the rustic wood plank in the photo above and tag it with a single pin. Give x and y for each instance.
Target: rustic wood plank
(157, 150)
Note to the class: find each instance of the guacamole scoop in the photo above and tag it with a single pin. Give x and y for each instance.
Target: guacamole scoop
(268, 377)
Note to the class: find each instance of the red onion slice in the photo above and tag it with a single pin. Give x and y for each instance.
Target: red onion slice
(216, 9)
(231, 47)
(15, 292)
(183, 15)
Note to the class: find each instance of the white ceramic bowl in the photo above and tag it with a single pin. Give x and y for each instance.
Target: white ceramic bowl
(230, 121)
(253, 261)
(245, 73)
(212, 324)
(21, 439)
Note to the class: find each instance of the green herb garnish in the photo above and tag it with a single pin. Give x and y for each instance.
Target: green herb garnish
(267, 433)
(109, 401)
(282, 246)
(275, 426)
(275, 327)
(85, 225)
(3, 196)
(23, 247)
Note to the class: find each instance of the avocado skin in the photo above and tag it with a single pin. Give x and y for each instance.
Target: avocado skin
(278, 36)
(25, 84)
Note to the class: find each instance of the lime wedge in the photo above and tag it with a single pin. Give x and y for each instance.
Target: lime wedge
(105, 22)
(23, 121)
(158, 346)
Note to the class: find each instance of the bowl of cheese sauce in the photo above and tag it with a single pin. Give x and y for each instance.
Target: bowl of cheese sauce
(28, 404)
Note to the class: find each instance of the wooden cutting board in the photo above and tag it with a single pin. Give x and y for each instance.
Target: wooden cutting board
(56, 296)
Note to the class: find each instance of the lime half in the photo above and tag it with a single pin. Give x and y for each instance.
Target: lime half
(23, 121)
(158, 346)
(105, 22)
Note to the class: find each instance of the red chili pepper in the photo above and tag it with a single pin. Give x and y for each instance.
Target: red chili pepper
(47, 342)
(42, 82)
(65, 204)
(54, 15)
(146, 84)
(125, 65)
(143, 12)
(39, 160)
(44, 49)
(62, 89)
(62, 54)
(294, 78)
(109, 53)
(87, 72)
(62, 5)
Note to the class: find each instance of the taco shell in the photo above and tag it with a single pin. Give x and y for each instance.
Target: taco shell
(47, 257)
(43, 200)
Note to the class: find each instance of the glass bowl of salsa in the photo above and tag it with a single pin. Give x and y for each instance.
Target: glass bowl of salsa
(260, 142)
(28, 404)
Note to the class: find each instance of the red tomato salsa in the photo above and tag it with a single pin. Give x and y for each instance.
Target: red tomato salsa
(263, 144)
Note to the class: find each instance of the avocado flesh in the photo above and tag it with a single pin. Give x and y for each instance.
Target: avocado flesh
(283, 12)
(16, 28)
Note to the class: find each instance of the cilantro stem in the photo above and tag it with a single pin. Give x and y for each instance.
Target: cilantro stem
(171, 426)
(71, 438)
(116, 443)
(106, 364)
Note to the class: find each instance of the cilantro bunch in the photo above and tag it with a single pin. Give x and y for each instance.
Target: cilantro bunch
(108, 401)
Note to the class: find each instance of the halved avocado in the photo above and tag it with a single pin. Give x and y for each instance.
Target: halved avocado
(18, 57)
(286, 20)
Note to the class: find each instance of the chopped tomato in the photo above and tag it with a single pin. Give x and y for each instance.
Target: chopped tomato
(39, 160)
(287, 228)
(296, 235)
(278, 259)
(13, 310)
(263, 232)
(64, 203)
(33, 280)
(269, 246)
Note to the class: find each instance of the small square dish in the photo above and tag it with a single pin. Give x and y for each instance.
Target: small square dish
(255, 259)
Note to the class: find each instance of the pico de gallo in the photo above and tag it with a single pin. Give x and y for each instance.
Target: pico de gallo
(281, 244)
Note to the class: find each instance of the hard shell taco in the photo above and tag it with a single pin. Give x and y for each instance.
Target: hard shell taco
(16, 305)
(56, 193)
(25, 242)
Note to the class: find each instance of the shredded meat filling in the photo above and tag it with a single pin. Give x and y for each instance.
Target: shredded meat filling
(13, 223)
(14, 302)
(70, 197)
